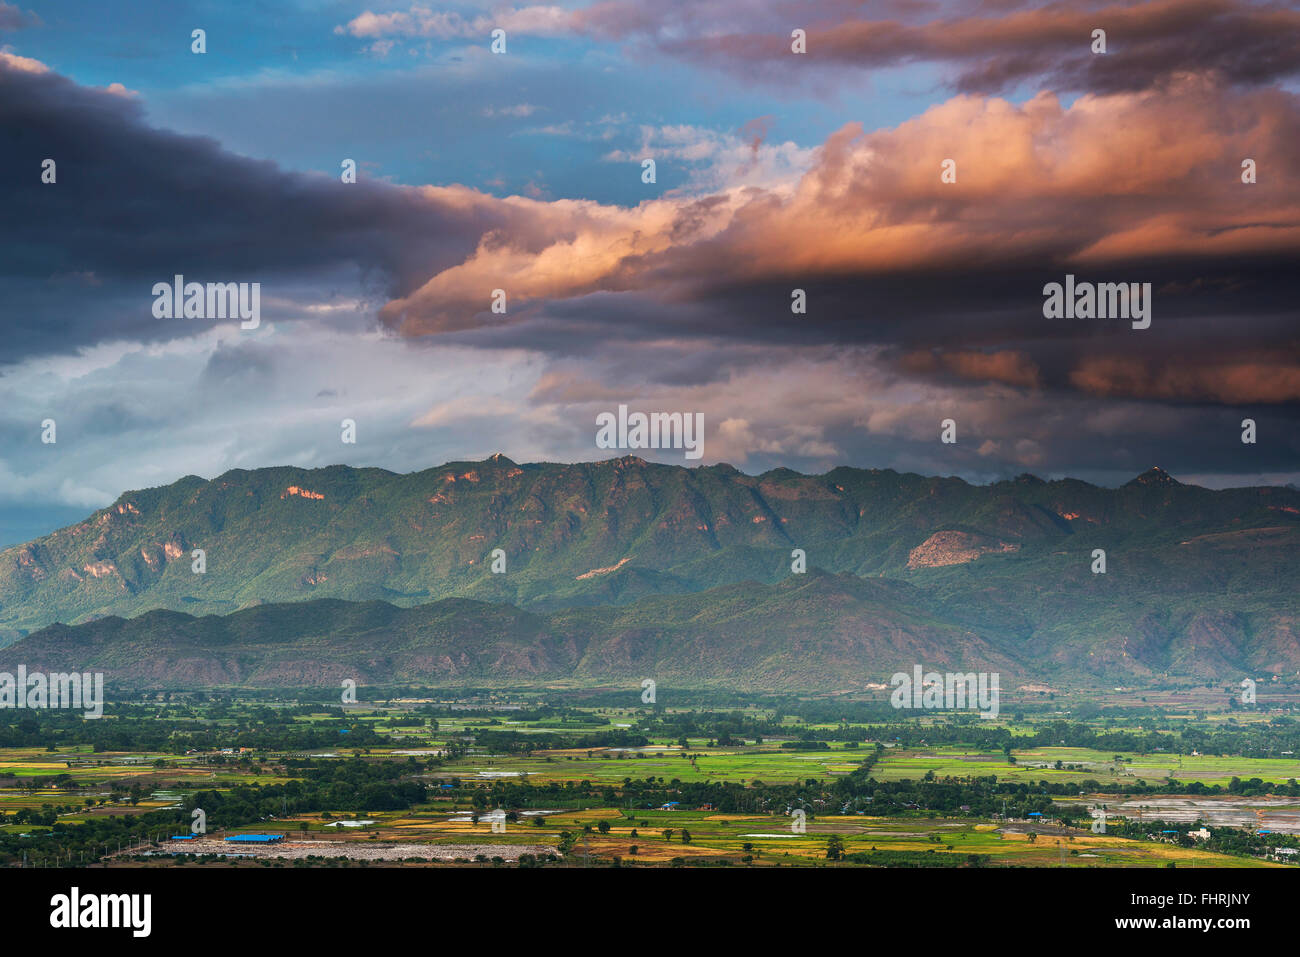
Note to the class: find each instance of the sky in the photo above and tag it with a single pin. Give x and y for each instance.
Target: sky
(522, 170)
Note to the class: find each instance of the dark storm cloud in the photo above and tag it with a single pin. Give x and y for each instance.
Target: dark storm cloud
(1205, 309)
(986, 47)
(1146, 43)
(133, 205)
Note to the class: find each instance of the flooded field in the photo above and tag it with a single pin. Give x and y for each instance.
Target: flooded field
(1280, 815)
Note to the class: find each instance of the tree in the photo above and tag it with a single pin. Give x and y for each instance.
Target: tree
(668, 834)
(834, 848)
(603, 827)
(686, 836)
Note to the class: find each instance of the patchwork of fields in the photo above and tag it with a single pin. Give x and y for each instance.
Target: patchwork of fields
(494, 785)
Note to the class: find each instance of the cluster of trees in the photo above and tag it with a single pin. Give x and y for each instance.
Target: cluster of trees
(722, 726)
(176, 729)
(523, 742)
(961, 797)
(1261, 739)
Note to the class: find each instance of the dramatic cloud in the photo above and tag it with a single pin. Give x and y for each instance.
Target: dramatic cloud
(1141, 187)
(1242, 380)
(924, 297)
(1138, 187)
(133, 205)
(987, 48)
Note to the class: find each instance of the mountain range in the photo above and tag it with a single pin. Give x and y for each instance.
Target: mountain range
(623, 569)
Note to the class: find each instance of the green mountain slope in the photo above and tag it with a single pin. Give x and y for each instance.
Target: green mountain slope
(814, 631)
(1197, 581)
(810, 632)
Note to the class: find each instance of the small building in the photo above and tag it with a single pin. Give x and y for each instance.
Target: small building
(1202, 835)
